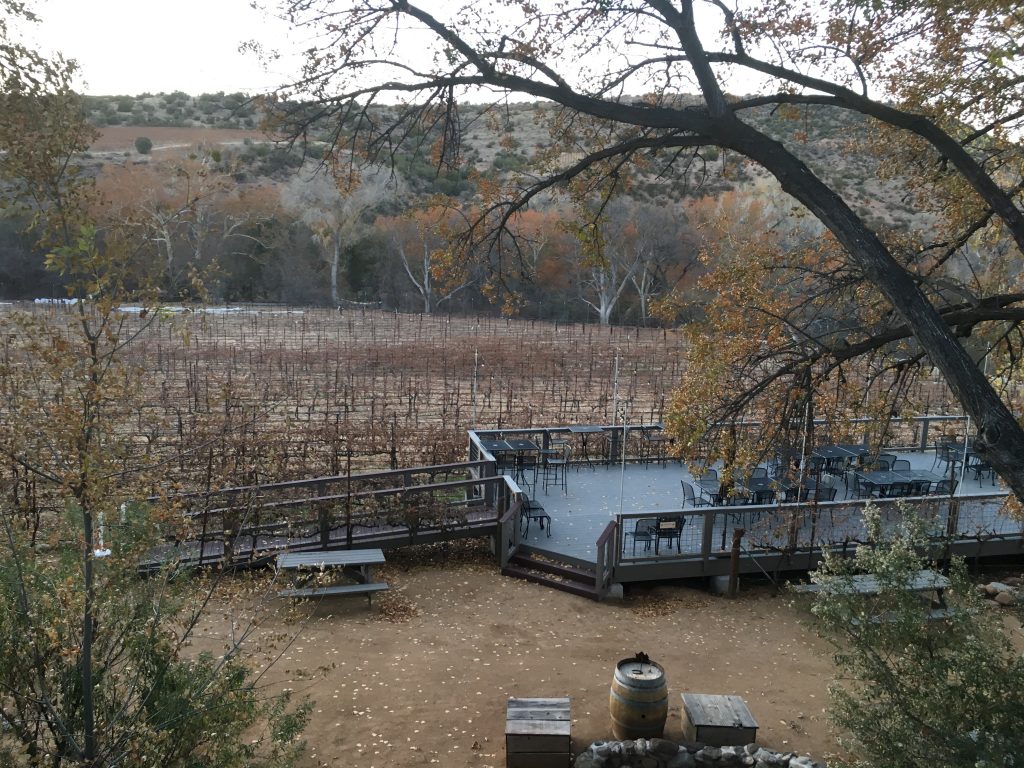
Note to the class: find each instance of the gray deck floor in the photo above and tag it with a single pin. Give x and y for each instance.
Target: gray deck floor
(593, 499)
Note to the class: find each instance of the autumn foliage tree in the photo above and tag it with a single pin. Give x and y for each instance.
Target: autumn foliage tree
(892, 63)
(914, 688)
(94, 671)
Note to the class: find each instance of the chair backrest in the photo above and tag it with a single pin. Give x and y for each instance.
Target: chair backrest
(945, 487)
(890, 457)
(800, 494)
(920, 487)
(688, 494)
(900, 489)
(825, 493)
(669, 526)
(644, 526)
(881, 465)
(900, 465)
(759, 472)
(710, 474)
(766, 496)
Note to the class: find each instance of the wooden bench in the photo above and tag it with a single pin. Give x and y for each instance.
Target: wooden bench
(335, 590)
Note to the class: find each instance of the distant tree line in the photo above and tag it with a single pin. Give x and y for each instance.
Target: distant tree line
(256, 223)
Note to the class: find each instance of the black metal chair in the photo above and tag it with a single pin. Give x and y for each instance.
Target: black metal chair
(945, 488)
(526, 470)
(669, 528)
(862, 489)
(797, 494)
(979, 467)
(899, 490)
(644, 531)
(709, 478)
(823, 493)
(941, 450)
(690, 498)
(554, 468)
(920, 487)
(901, 465)
(532, 510)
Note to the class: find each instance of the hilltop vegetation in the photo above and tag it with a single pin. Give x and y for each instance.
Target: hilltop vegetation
(222, 198)
(833, 142)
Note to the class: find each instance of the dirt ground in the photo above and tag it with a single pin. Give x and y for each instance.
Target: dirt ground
(423, 676)
(121, 138)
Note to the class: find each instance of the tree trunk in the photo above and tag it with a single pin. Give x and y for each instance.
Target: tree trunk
(335, 258)
(1000, 438)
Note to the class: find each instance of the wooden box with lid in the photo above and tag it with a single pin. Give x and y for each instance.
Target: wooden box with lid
(537, 733)
(717, 721)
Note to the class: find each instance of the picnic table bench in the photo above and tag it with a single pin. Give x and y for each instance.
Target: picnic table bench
(868, 585)
(354, 563)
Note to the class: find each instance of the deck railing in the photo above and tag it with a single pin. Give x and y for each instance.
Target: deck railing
(799, 532)
(509, 532)
(607, 547)
(254, 522)
(913, 433)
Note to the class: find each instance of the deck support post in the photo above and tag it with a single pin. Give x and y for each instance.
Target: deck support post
(734, 561)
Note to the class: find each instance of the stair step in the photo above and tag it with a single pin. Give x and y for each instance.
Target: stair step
(565, 585)
(553, 567)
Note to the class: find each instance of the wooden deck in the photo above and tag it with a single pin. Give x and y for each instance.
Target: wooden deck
(787, 536)
(590, 524)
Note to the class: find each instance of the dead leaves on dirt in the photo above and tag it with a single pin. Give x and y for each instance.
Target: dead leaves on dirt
(654, 605)
(393, 606)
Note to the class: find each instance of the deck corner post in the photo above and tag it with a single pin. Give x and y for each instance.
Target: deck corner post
(708, 536)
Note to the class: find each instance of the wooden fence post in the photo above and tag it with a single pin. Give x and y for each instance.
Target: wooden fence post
(323, 517)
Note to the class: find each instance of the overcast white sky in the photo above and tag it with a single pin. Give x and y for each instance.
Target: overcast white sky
(133, 46)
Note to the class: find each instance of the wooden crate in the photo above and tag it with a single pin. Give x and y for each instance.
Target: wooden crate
(537, 733)
(717, 721)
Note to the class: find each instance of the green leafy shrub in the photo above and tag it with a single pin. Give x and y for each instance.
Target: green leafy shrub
(913, 691)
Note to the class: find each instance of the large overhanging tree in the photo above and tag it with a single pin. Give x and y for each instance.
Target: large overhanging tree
(942, 78)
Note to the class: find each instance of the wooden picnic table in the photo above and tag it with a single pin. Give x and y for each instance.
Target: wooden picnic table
(354, 563)
(868, 584)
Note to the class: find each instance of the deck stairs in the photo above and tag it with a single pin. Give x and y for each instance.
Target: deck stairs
(549, 570)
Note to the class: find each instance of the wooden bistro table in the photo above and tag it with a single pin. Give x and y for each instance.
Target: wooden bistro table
(352, 563)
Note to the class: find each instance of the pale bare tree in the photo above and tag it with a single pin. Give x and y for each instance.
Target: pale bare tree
(336, 209)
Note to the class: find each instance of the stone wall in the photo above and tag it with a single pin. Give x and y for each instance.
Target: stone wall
(662, 753)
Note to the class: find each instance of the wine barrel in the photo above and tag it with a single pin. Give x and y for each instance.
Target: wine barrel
(638, 700)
